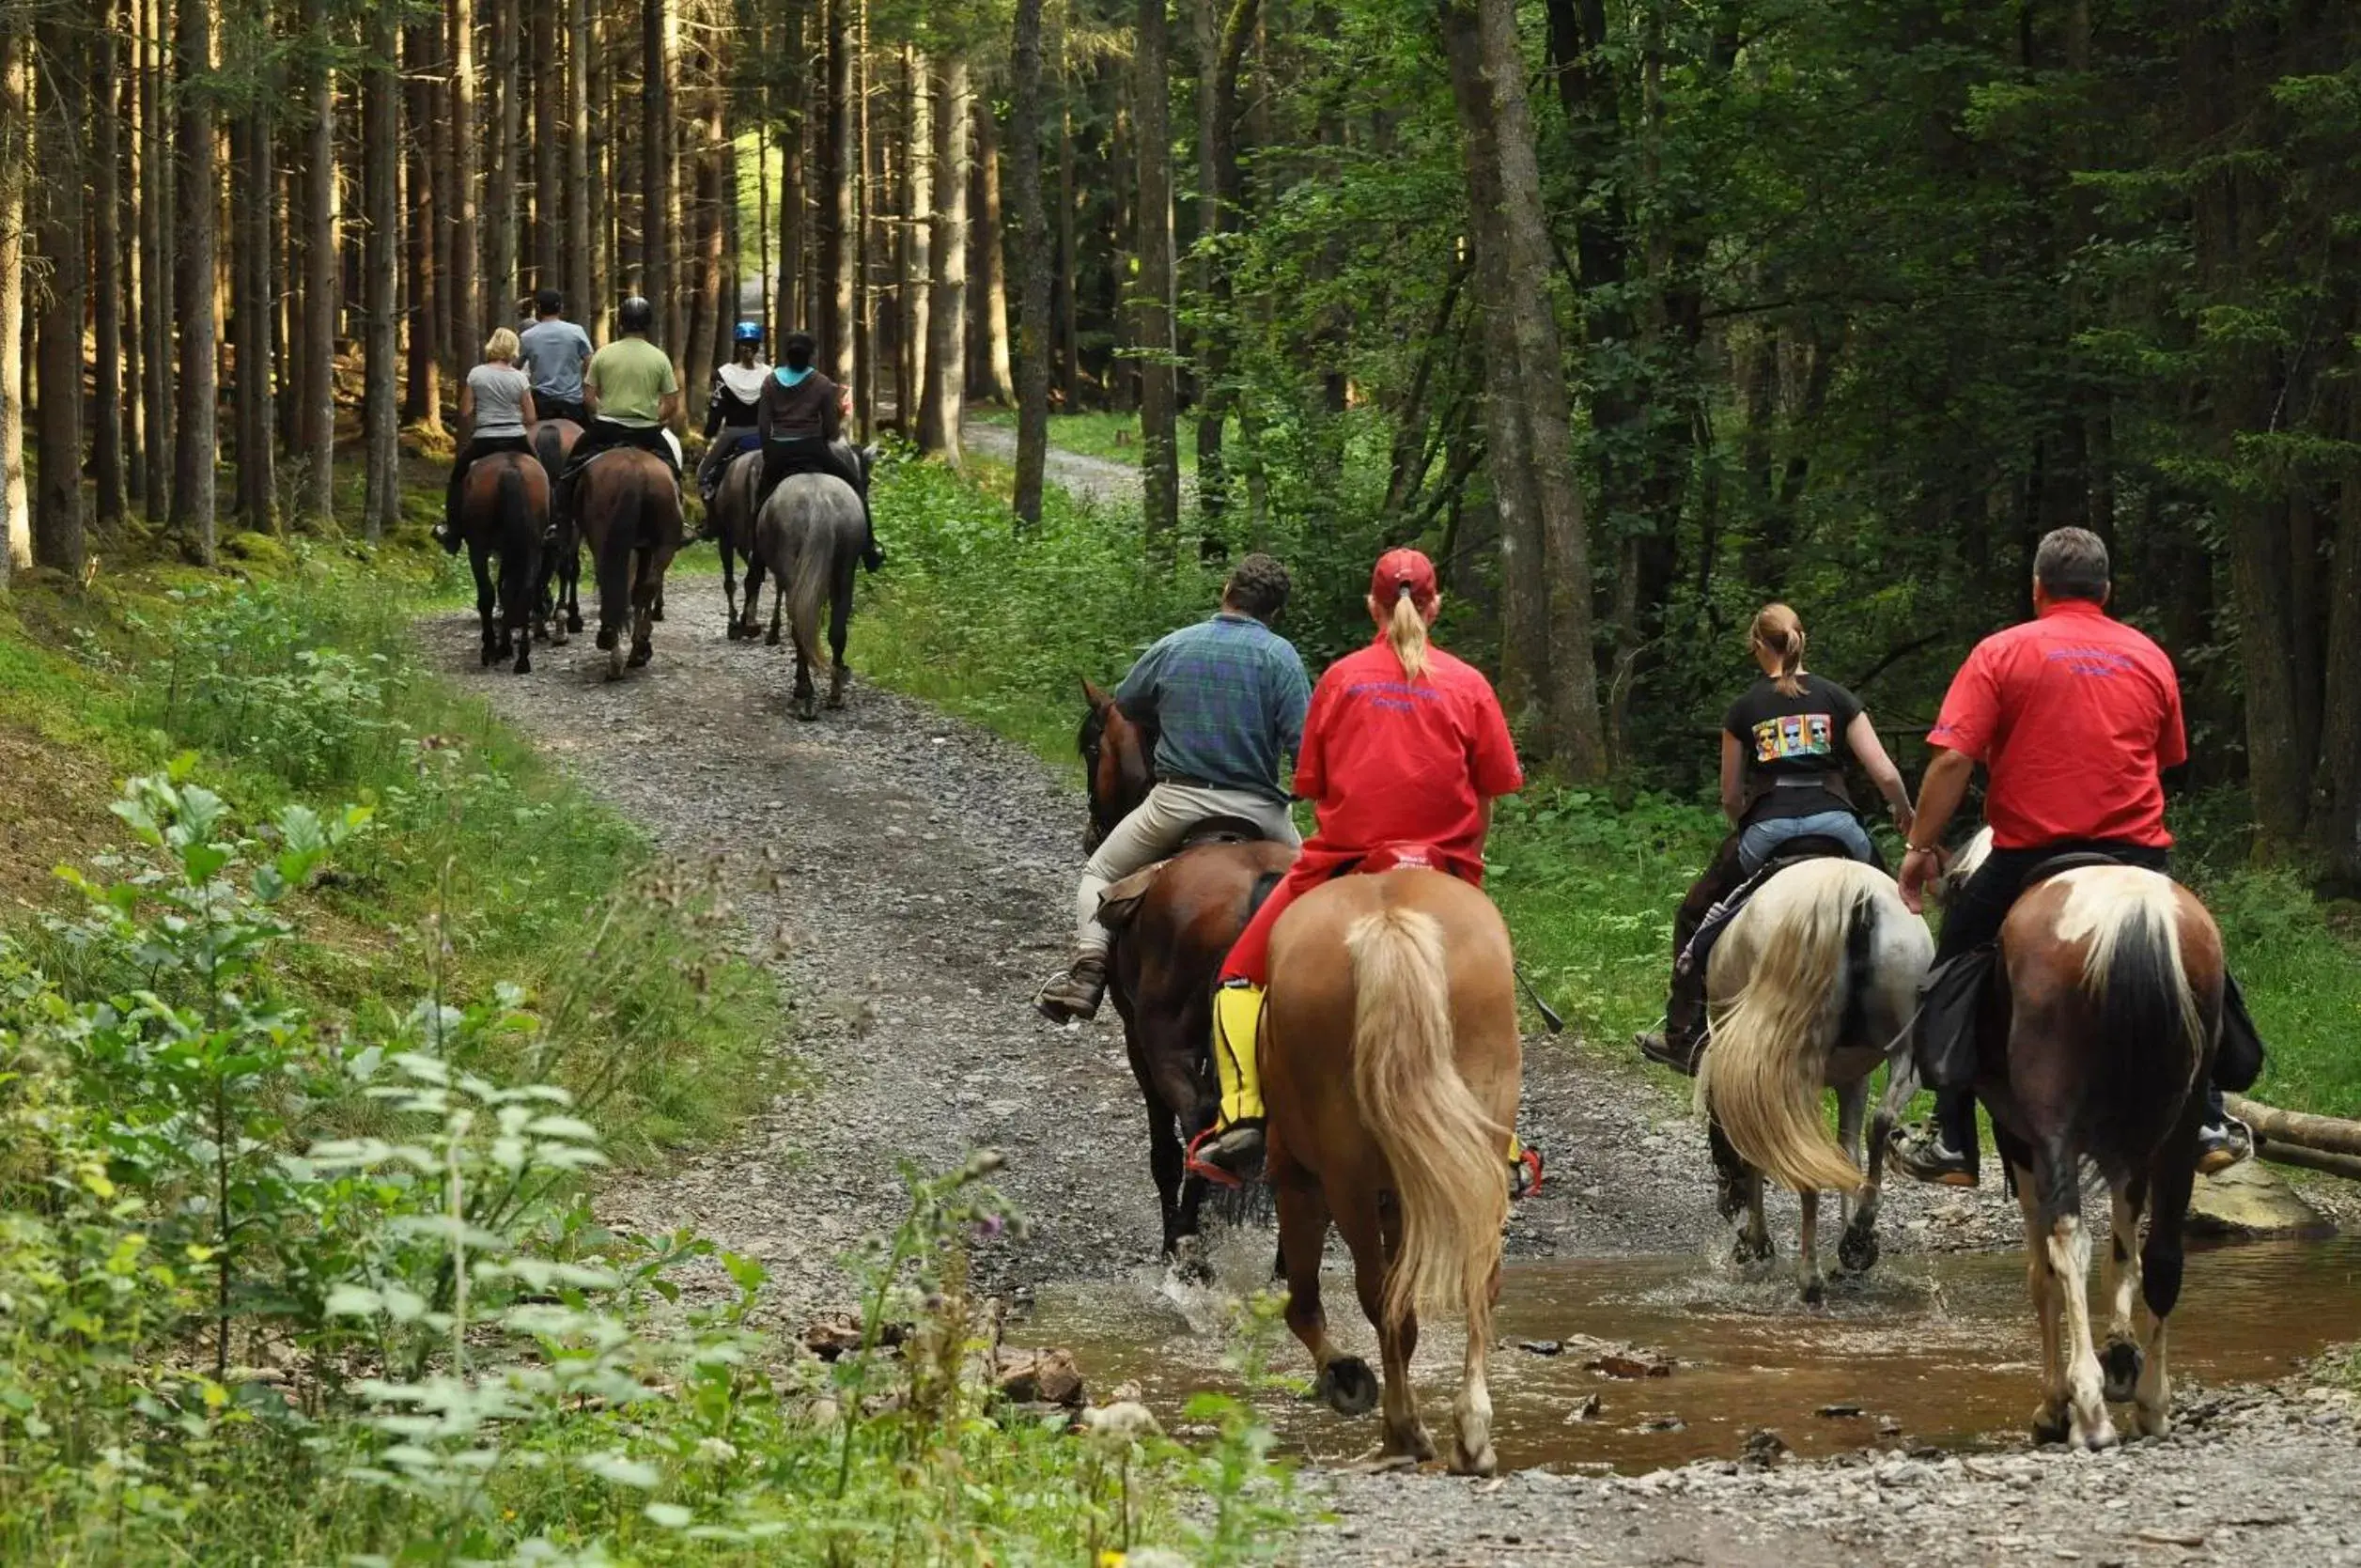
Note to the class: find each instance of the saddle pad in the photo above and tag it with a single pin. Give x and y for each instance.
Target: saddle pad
(1795, 851)
(2058, 864)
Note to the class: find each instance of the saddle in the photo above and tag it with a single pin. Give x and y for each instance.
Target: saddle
(1700, 950)
(1122, 901)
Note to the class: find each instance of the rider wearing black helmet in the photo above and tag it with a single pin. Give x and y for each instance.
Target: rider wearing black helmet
(632, 393)
(730, 408)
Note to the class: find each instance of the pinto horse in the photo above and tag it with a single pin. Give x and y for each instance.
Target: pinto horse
(1813, 984)
(1172, 925)
(503, 505)
(629, 511)
(561, 561)
(1391, 1064)
(2095, 1044)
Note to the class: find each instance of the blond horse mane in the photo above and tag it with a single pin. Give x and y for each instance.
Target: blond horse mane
(2107, 905)
(1763, 1074)
(1447, 1155)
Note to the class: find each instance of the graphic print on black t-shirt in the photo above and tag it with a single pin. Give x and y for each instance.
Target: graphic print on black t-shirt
(1789, 741)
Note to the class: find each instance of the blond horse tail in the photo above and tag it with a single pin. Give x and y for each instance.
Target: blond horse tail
(1763, 1073)
(1448, 1159)
(2137, 974)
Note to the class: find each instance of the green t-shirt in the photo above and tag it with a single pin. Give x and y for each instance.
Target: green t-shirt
(631, 376)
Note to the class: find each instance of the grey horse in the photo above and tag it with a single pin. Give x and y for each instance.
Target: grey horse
(809, 536)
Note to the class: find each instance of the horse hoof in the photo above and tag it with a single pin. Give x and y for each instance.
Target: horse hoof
(1858, 1254)
(805, 709)
(2152, 1423)
(484, 656)
(1747, 1250)
(557, 638)
(1188, 1261)
(1484, 1462)
(605, 641)
(2049, 1425)
(2098, 1439)
(2120, 1363)
(733, 633)
(1815, 1292)
(639, 655)
(771, 641)
(657, 614)
(573, 623)
(1347, 1387)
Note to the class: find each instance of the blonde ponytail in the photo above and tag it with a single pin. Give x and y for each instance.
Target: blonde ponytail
(1779, 632)
(1406, 633)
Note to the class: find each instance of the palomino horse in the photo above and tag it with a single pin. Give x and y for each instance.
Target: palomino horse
(503, 505)
(630, 517)
(1814, 984)
(1390, 1061)
(731, 520)
(809, 536)
(561, 563)
(2096, 1045)
(1171, 926)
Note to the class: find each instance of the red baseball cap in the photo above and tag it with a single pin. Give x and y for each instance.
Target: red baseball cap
(1403, 569)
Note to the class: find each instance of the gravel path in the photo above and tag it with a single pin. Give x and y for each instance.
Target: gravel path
(919, 871)
(1099, 479)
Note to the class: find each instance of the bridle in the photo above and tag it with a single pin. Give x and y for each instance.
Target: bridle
(1106, 808)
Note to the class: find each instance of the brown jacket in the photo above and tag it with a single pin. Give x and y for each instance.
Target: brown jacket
(806, 409)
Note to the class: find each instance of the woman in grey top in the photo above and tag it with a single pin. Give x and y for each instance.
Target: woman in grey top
(496, 411)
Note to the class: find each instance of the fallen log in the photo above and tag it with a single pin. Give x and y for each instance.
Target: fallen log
(2328, 1134)
(2347, 1166)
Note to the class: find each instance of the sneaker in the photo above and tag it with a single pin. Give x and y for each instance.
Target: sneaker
(1076, 994)
(2222, 1145)
(1525, 1173)
(1920, 1153)
(1227, 1157)
(1679, 1055)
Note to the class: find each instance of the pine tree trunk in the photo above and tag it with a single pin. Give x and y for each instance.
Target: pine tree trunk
(864, 320)
(992, 253)
(1221, 175)
(461, 278)
(1033, 245)
(837, 262)
(62, 84)
(1160, 454)
(548, 193)
(106, 220)
(709, 313)
(606, 193)
(322, 280)
(16, 511)
(1069, 304)
(130, 67)
(156, 264)
(793, 302)
(422, 398)
(500, 286)
(382, 224)
(918, 222)
(581, 249)
(192, 498)
(251, 314)
(944, 399)
(659, 228)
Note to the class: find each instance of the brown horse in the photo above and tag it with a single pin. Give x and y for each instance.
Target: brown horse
(1391, 1064)
(1171, 925)
(629, 511)
(503, 505)
(2096, 1047)
(732, 524)
(561, 561)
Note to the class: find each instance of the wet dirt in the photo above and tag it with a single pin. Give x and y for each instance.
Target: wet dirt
(1934, 1351)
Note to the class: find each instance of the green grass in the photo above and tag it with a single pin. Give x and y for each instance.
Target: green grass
(1113, 437)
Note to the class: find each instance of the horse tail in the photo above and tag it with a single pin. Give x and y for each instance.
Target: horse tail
(815, 567)
(1448, 1157)
(2136, 973)
(510, 519)
(1763, 1072)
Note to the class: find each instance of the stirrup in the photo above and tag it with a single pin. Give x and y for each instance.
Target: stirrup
(1206, 1170)
(1525, 1174)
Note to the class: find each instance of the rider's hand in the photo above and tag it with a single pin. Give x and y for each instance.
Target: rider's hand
(1919, 868)
(1903, 818)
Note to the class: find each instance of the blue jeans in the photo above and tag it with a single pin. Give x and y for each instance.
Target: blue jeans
(1761, 840)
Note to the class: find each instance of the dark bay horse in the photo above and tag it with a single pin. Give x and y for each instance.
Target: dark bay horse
(561, 562)
(1390, 1066)
(630, 517)
(1814, 984)
(809, 536)
(2096, 1045)
(1171, 925)
(503, 505)
(732, 522)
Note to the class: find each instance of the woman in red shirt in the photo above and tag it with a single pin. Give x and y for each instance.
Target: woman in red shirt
(1404, 749)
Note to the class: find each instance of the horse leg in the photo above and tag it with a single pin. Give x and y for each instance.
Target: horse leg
(839, 627)
(2049, 1417)
(1471, 1412)
(1344, 1382)
(2119, 1282)
(480, 561)
(1857, 1251)
(2068, 1246)
(1807, 1278)
(1372, 1237)
(516, 593)
(778, 607)
(2160, 1262)
(1754, 1238)
(753, 593)
(729, 586)
(571, 577)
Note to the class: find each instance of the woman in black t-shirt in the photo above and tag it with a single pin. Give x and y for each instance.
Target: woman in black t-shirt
(1782, 778)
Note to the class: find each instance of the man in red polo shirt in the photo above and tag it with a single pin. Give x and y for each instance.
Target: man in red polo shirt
(2074, 715)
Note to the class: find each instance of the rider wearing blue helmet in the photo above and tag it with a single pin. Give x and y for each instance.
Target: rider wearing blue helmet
(730, 408)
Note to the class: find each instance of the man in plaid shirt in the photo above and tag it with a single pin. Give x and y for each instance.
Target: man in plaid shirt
(1227, 698)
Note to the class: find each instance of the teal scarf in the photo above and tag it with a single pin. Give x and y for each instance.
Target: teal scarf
(791, 376)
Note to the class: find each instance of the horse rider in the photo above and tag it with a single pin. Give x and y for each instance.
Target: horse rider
(1404, 749)
(555, 353)
(1227, 699)
(730, 408)
(632, 394)
(801, 420)
(1782, 780)
(2074, 715)
(496, 409)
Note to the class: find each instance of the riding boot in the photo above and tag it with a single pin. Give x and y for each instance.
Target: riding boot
(1231, 1151)
(1683, 1037)
(1945, 1153)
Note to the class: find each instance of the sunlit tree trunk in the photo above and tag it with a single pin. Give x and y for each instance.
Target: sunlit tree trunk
(1159, 455)
(1032, 248)
(838, 242)
(16, 510)
(156, 269)
(193, 500)
(500, 284)
(422, 398)
(991, 255)
(579, 247)
(460, 278)
(790, 298)
(1068, 304)
(864, 323)
(62, 84)
(942, 401)
(658, 148)
(107, 464)
(322, 278)
(918, 222)
(253, 185)
(382, 230)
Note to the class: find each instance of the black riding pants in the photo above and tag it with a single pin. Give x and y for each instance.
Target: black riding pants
(545, 407)
(719, 452)
(482, 446)
(1685, 1005)
(1973, 918)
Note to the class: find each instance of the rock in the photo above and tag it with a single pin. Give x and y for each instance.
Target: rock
(1630, 1365)
(1540, 1347)
(832, 1337)
(1838, 1412)
(2249, 1203)
(1762, 1447)
(1040, 1376)
(1588, 1410)
(1124, 1422)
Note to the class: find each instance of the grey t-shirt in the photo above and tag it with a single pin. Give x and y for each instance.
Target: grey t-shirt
(555, 352)
(500, 391)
